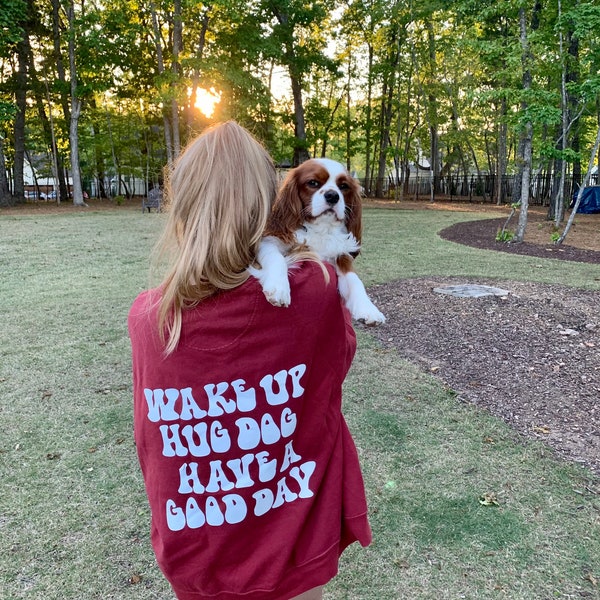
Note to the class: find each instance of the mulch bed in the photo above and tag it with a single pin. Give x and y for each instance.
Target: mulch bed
(531, 358)
(482, 234)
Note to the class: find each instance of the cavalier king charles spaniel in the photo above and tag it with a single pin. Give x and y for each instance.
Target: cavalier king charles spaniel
(318, 208)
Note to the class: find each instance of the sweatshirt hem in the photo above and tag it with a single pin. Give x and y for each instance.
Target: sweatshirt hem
(298, 580)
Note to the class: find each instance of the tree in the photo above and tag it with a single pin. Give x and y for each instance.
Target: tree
(12, 31)
(298, 45)
(20, 92)
(161, 70)
(394, 42)
(375, 83)
(75, 111)
(361, 20)
(6, 114)
(527, 136)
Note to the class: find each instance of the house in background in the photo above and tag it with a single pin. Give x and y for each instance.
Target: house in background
(37, 185)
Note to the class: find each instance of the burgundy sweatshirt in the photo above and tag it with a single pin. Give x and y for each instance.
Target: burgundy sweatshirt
(252, 476)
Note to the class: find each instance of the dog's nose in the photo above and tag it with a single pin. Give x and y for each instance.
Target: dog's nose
(331, 197)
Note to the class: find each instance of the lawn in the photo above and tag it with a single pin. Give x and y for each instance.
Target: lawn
(460, 506)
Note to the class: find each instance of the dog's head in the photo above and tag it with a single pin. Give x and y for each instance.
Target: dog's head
(316, 187)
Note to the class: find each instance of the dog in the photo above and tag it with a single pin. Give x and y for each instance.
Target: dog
(318, 208)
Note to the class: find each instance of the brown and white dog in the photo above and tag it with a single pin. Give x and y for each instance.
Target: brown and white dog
(319, 208)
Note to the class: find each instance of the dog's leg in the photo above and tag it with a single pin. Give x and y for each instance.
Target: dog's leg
(356, 299)
(273, 274)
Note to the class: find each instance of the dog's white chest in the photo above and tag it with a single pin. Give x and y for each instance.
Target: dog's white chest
(327, 237)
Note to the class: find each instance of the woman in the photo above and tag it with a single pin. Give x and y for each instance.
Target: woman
(251, 473)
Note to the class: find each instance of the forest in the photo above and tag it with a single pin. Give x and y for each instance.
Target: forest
(494, 98)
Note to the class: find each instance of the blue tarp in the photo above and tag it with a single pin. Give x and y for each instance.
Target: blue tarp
(590, 200)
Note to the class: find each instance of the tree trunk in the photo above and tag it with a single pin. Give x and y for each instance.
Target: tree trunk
(116, 166)
(191, 112)
(5, 196)
(386, 119)
(62, 193)
(19, 123)
(329, 123)
(386, 111)
(559, 199)
(60, 68)
(47, 122)
(525, 182)
(74, 142)
(528, 133)
(75, 114)
(434, 154)
(368, 124)
(295, 72)
(300, 150)
(573, 77)
(161, 69)
(501, 158)
(177, 48)
(348, 116)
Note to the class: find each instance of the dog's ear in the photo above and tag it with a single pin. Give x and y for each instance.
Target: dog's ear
(287, 213)
(354, 212)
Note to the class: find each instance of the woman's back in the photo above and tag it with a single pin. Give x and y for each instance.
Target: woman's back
(252, 476)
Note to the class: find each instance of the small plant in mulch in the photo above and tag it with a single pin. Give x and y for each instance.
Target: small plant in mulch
(552, 229)
(555, 235)
(504, 235)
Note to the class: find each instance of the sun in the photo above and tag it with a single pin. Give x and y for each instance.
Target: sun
(206, 100)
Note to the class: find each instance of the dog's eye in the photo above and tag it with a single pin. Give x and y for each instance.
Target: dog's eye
(344, 186)
(313, 183)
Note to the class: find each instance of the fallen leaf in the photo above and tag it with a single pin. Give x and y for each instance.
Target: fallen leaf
(542, 429)
(402, 564)
(488, 499)
(135, 579)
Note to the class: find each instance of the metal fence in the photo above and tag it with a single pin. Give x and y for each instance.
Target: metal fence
(472, 188)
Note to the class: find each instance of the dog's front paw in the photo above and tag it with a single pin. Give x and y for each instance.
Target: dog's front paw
(276, 289)
(374, 318)
(367, 313)
(278, 296)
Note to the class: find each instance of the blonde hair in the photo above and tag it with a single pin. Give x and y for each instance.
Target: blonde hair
(219, 196)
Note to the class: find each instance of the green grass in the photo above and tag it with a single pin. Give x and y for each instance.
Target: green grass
(402, 243)
(73, 514)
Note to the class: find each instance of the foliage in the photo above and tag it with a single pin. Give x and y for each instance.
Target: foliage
(12, 15)
(380, 85)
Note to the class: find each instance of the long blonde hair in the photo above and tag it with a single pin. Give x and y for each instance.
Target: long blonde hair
(219, 193)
